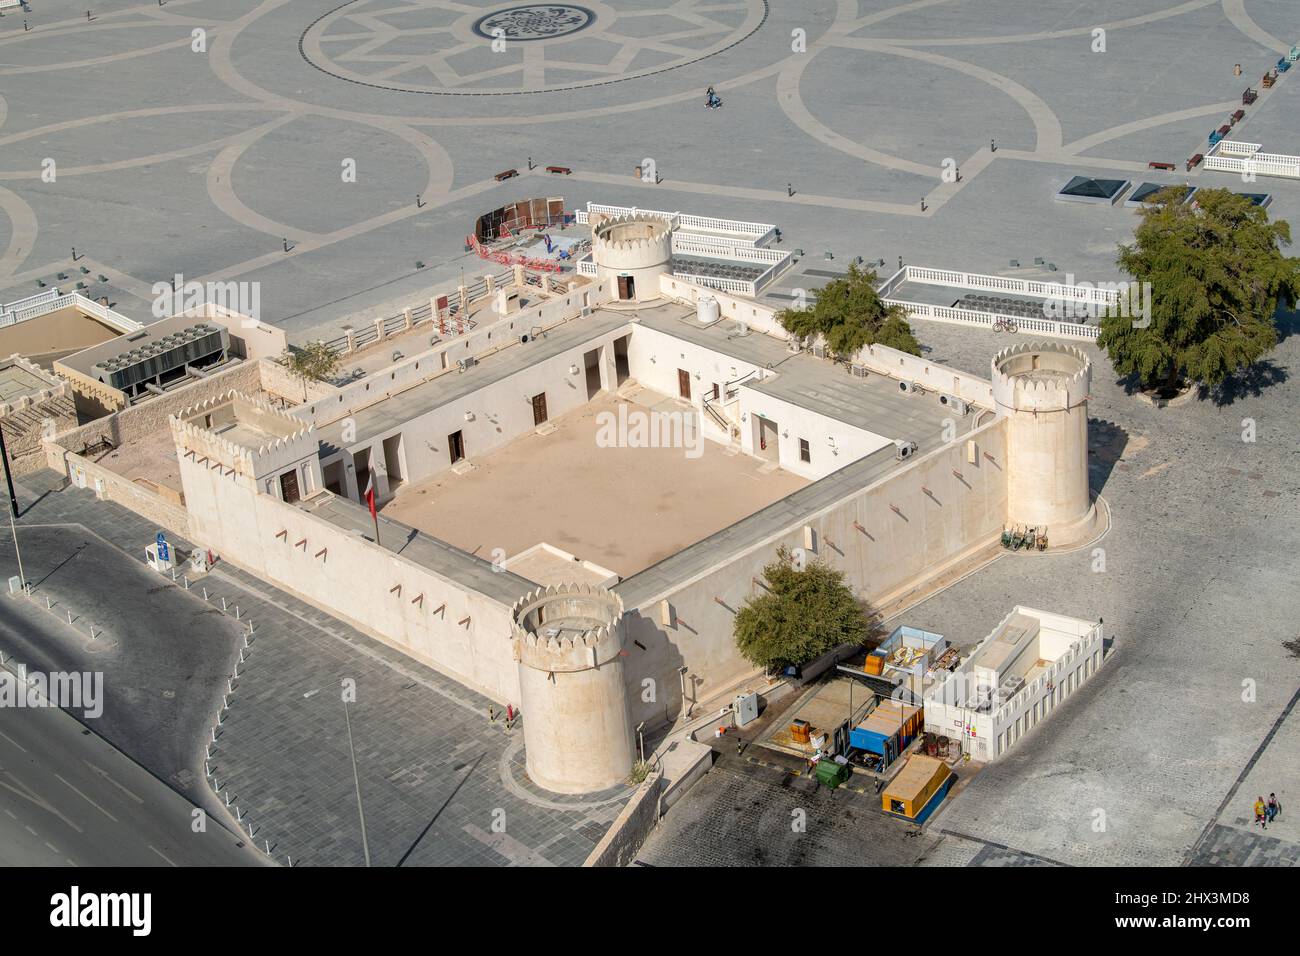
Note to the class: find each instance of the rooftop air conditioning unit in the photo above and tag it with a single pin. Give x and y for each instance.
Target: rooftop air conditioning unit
(467, 362)
(819, 351)
(741, 329)
(858, 371)
(955, 403)
(904, 450)
(909, 388)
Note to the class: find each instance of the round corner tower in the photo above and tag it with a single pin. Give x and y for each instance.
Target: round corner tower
(631, 253)
(1042, 390)
(568, 641)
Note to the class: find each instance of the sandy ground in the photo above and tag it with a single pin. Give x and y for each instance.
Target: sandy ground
(623, 508)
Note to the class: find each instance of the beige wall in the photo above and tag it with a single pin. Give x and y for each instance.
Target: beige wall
(899, 555)
(353, 580)
(151, 416)
(145, 502)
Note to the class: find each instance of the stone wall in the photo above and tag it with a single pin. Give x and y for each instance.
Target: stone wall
(110, 486)
(940, 519)
(151, 416)
(622, 841)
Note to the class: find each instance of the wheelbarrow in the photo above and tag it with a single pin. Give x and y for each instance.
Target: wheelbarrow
(1006, 537)
(1040, 541)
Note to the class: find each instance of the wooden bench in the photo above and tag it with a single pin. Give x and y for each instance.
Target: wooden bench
(1168, 166)
(502, 177)
(1225, 129)
(1194, 161)
(1249, 96)
(1237, 117)
(559, 170)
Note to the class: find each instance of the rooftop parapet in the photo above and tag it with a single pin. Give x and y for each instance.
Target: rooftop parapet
(1041, 376)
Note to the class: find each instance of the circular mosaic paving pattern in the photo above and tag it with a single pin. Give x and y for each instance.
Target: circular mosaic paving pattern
(534, 21)
(447, 48)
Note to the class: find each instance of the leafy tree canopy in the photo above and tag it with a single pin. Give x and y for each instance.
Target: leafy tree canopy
(804, 613)
(849, 314)
(1216, 274)
(315, 361)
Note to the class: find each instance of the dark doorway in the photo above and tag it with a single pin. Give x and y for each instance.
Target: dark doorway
(621, 369)
(626, 288)
(591, 364)
(456, 445)
(289, 486)
(539, 408)
(684, 383)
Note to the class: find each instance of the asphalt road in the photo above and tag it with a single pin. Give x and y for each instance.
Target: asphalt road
(67, 797)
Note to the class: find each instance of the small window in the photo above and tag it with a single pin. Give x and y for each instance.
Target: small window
(805, 453)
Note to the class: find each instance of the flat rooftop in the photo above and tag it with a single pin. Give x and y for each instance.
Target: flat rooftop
(873, 403)
(621, 508)
(16, 381)
(392, 413)
(428, 552)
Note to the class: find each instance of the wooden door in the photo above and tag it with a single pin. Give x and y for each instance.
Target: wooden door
(539, 408)
(684, 383)
(289, 486)
(456, 445)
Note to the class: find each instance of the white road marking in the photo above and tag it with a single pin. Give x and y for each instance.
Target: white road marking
(12, 741)
(160, 853)
(104, 774)
(28, 794)
(87, 799)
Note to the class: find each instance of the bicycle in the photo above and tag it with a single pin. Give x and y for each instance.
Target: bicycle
(1004, 325)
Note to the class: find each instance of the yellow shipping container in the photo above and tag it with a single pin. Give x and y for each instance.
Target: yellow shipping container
(911, 790)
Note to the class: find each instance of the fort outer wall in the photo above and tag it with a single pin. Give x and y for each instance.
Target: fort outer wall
(374, 590)
(897, 553)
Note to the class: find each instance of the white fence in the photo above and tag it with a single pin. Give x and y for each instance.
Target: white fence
(47, 302)
(974, 280)
(939, 313)
(1234, 156)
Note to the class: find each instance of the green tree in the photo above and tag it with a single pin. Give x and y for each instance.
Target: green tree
(1216, 274)
(313, 362)
(804, 613)
(849, 314)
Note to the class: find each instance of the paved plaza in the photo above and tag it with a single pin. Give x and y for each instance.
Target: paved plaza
(837, 121)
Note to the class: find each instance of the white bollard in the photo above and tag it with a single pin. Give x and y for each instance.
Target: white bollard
(223, 604)
(205, 594)
(48, 605)
(236, 612)
(69, 617)
(227, 798)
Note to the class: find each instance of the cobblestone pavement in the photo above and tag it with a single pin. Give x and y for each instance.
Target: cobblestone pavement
(1172, 739)
(440, 784)
(747, 814)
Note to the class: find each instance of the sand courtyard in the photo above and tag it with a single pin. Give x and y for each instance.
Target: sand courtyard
(623, 508)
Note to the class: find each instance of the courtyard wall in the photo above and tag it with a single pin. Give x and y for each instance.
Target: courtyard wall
(896, 552)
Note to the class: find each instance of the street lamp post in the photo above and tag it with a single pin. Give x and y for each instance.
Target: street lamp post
(356, 780)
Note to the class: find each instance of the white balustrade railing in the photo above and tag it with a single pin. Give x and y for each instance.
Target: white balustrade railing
(973, 317)
(974, 280)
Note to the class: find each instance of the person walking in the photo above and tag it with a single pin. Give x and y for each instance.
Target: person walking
(1273, 808)
(1261, 813)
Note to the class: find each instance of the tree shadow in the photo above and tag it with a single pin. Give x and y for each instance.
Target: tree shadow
(1249, 382)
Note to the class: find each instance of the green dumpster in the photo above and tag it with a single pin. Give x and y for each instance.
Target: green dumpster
(831, 773)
